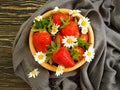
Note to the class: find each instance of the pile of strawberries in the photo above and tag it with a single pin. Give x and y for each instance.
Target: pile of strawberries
(52, 45)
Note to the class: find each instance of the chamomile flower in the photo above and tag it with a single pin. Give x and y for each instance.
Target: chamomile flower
(74, 12)
(56, 8)
(38, 18)
(60, 70)
(33, 73)
(69, 41)
(84, 22)
(40, 57)
(89, 54)
(84, 30)
(54, 29)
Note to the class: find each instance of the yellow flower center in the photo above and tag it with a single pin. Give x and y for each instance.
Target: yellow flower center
(59, 68)
(89, 54)
(75, 12)
(84, 30)
(69, 41)
(40, 57)
(54, 29)
(84, 23)
(33, 72)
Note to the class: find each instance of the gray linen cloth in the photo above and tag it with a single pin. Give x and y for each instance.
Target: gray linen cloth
(103, 73)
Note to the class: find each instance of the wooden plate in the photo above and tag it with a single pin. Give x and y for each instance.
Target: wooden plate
(52, 67)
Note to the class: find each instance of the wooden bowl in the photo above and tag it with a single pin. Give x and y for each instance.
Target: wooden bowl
(52, 67)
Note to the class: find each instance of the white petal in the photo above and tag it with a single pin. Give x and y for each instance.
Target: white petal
(37, 73)
(36, 69)
(29, 75)
(56, 8)
(33, 75)
(41, 61)
(37, 57)
(84, 19)
(56, 28)
(59, 72)
(88, 59)
(84, 30)
(74, 12)
(38, 18)
(70, 12)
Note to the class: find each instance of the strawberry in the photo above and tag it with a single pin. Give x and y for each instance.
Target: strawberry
(85, 37)
(41, 40)
(62, 57)
(81, 51)
(71, 29)
(57, 16)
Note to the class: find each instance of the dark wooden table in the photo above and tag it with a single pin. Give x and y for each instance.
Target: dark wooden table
(12, 14)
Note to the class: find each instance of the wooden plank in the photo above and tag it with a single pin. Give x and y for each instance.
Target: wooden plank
(12, 14)
(7, 77)
(8, 30)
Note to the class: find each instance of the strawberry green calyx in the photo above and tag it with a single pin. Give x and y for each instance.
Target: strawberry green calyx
(74, 53)
(49, 58)
(42, 25)
(64, 22)
(52, 48)
(82, 43)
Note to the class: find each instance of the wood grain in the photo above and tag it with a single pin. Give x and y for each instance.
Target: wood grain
(12, 14)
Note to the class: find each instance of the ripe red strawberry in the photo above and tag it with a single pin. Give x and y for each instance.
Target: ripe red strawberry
(71, 29)
(85, 37)
(62, 57)
(81, 51)
(59, 37)
(57, 16)
(41, 40)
